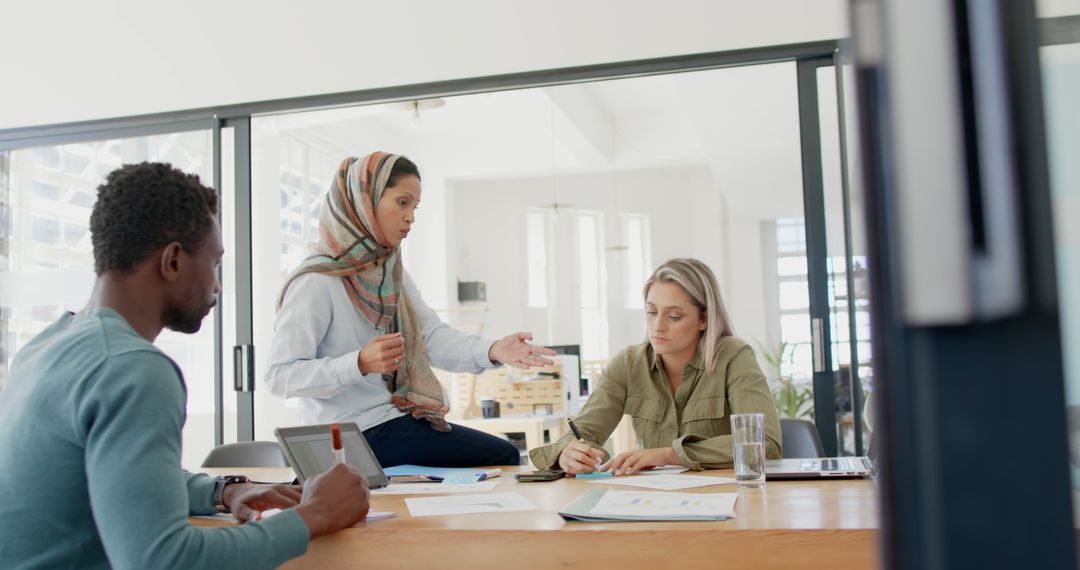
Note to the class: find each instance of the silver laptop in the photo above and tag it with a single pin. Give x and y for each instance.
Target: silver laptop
(819, 467)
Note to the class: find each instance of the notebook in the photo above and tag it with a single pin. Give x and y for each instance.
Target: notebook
(602, 505)
(420, 474)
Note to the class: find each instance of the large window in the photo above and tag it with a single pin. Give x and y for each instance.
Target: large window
(638, 266)
(794, 303)
(794, 299)
(592, 281)
(46, 195)
(536, 253)
(306, 172)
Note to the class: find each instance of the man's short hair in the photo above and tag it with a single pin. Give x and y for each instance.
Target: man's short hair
(143, 207)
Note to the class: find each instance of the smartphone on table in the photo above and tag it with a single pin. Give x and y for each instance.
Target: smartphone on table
(541, 475)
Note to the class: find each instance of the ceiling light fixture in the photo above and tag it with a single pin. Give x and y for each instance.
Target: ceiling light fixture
(414, 106)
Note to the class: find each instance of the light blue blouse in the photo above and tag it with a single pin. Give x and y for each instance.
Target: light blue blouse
(317, 337)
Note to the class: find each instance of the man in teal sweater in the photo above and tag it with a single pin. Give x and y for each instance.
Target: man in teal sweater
(91, 413)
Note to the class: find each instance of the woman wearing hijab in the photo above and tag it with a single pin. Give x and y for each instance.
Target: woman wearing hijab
(354, 341)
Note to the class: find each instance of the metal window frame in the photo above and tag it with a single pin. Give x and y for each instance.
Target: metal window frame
(817, 252)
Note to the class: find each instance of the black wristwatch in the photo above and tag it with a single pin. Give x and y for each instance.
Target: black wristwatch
(219, 490)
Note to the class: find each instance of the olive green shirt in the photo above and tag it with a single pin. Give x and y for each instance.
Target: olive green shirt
(694, 420)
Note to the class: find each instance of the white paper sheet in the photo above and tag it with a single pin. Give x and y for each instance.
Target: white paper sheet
(665, 482)
(435, 488)
(648, 504)
(465, 504)
(665, 470)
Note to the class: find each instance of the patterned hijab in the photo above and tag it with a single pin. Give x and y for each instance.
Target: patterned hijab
(352, 246)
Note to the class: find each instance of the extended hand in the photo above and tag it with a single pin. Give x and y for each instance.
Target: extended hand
(516, 351)
(631, 462)
(247, 502)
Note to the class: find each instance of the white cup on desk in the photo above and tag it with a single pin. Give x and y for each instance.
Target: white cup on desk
(748, 449)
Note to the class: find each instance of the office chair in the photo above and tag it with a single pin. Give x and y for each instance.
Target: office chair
(800, 439)
(246, 454)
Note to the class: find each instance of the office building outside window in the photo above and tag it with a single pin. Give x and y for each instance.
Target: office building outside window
(46, 256)
(306, 172)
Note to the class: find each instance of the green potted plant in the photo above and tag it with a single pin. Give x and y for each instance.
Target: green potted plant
(791, 401)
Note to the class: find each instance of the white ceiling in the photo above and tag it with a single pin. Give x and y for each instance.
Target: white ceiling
(742, 123)
(273, 49)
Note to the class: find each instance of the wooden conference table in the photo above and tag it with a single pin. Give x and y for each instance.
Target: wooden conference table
(792, 524)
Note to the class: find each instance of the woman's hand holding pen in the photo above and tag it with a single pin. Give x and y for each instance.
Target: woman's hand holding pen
(384, 354)
(516, 351)
(579, 458)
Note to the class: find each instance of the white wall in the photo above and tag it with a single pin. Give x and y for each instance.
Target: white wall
(74, 60)
(686, 218)
(747, 293)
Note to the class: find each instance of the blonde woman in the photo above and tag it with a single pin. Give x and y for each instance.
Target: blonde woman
(679, 387)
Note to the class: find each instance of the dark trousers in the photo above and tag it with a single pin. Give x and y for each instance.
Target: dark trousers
(409, 441)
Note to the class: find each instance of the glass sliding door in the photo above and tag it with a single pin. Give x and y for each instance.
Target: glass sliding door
(47, 268)
(846, 259)
(822, 266)
(819, 264)
(229, 301)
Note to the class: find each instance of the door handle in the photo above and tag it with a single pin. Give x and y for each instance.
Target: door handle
(816, 341)
(244, 368)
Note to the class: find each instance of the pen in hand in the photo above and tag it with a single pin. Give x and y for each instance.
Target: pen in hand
(580, 438)
(335, 436)
(574, 429)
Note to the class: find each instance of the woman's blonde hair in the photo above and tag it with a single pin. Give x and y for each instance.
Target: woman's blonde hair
(699, 282)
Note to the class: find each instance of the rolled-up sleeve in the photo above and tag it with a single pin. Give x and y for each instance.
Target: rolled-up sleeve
(747, 392)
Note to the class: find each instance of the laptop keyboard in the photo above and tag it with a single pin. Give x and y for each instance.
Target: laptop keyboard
(841, 464)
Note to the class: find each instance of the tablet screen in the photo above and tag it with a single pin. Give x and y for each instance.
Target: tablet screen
(312, 454)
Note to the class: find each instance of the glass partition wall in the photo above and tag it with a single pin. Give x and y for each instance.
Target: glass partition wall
(47, 195)
(846, 257)
(561, 199)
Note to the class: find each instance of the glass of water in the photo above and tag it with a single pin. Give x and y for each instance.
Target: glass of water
(748, 442)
